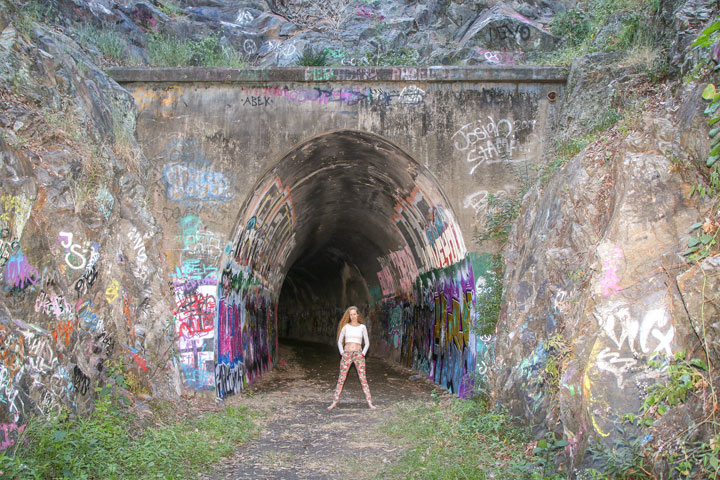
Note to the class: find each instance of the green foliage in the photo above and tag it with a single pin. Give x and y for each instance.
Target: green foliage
(35, 11)
(170, 51)
(489, 299)
(311, 58)
(106, 445)
(575, 26)
(578, 29)
(392, 57)
(624, 460)
(500, 214)
(704, 240)
(111, 45)
(461, 439)
(546, 450)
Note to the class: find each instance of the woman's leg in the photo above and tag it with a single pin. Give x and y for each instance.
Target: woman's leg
(345, 363)
(359, 360)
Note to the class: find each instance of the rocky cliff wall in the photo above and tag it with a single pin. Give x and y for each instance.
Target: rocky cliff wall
(596, 281)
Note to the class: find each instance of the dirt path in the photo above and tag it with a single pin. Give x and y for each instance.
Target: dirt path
(300, 438)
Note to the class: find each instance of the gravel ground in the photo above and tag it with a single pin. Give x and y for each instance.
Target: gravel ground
(300, 438)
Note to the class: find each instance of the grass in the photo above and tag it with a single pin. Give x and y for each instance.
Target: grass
(578, 29)
(460, 439)
(171, 51)
(108, 445)
(111, 45)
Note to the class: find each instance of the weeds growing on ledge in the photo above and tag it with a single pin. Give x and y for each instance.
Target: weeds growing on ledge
(107, 445)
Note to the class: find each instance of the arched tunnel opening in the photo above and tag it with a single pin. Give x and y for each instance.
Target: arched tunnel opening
(346, 218)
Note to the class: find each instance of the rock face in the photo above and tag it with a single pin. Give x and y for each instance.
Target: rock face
(79, 265)
(596, 283)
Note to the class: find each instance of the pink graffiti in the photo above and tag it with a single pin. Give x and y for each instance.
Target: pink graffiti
(609, 283)
(19, 273)
(8, 428)
(498, 58)
(368, 13)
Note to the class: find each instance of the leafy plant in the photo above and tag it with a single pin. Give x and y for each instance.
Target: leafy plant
(705, 239)
(574, 26)
(546, 450)
(489, 299)
(108, 445)
(311, 58)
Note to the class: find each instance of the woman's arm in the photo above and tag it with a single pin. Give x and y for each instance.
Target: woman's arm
(341, 340)
(366, 340)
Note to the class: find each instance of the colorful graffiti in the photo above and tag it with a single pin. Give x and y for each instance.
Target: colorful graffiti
(434, 331)
(432, 230)
(246, 333)
(269, 234)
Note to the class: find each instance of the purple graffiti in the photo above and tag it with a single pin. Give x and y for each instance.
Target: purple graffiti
(19, 273)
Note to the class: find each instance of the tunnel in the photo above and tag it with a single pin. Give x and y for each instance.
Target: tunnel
(345, 218)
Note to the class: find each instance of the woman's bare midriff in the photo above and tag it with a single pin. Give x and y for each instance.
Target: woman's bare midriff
(353, 347)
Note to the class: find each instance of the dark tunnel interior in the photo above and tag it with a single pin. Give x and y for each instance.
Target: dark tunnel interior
(322, 224)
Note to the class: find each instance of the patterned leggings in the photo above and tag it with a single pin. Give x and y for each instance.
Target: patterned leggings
(359, 360)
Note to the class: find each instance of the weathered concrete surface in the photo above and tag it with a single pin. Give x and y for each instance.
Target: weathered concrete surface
(349, 182)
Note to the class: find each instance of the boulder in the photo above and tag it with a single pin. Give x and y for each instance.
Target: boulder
(502, 28)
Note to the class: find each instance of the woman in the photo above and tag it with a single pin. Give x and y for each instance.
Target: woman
(351, 335)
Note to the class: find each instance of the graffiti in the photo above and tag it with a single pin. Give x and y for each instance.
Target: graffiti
(246, 335)
(398, 265)
(105, 201)
(138, 245)
(269, 234)
(609, 282)
(137, 359)
(442, 244)
(368, 13)
(75, 254)
(410, 95)
(249, 46)
(521, 32)
(8, 247)
(111, 293)
(62, 330)
(187, 183)
(335, 55)
(8, 429)
(490, 142)
(652, 335)
(257, 101)
(229, 379)
(318, 74)
(18, 273)
(81, 382)
(433, 333)
(195, 314)
(280, 49)
(52, 305)
(86, 280)
(498, 58)
(244, 17)
(87, 316)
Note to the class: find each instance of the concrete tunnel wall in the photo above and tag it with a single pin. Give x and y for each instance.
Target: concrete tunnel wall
(288, 194)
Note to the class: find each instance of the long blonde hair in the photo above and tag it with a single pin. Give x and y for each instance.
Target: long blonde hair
(346, 319)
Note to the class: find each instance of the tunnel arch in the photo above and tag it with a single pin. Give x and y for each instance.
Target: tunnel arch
(345, 217)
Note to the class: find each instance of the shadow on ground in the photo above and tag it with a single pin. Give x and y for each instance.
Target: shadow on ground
(300, 438)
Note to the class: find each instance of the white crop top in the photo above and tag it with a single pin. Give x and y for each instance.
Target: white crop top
(354, 335)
